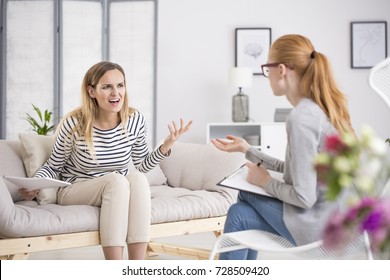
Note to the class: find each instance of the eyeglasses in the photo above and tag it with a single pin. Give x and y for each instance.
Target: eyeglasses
(265, 67)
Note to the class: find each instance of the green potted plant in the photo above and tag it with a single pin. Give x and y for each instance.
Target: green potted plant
(42, 125)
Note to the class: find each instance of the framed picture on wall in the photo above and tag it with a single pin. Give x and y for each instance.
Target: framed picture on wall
(368, 43)
(252, 46)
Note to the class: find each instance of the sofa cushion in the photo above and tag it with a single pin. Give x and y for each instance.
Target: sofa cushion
(11, 164)
(36, 150)
(199, 167)
(179, 204)
(25, 220)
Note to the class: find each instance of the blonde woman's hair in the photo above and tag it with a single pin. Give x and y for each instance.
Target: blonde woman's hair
(87, 112)
(317, 82)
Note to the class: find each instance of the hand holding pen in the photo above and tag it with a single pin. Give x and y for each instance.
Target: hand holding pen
(257, 174)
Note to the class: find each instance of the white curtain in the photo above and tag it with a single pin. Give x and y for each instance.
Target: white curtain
(82, 47)
(29, 76)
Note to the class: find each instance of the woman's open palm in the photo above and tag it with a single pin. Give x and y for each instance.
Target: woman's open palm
(175, 132)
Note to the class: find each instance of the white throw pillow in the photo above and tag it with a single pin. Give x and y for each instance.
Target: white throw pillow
(36, 150)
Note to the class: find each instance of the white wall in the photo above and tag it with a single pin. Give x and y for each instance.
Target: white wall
(196, 51)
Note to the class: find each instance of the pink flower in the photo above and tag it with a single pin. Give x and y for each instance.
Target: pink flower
(335, 145)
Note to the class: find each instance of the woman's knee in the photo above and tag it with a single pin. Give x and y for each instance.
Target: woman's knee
(238, 210)
(241, 216)
(137, 179)
(117, 183)
(234, 217)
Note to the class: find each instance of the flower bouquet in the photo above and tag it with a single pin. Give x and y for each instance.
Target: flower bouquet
(364, 164)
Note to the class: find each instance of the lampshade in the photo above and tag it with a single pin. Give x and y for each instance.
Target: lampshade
(241, 77)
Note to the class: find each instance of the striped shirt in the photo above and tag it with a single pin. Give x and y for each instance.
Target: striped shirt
(71, 161)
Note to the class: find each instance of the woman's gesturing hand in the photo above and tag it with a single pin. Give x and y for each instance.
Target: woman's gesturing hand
(175, 133)
(234, 144)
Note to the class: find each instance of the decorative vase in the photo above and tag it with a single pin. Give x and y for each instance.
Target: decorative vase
(240, 107)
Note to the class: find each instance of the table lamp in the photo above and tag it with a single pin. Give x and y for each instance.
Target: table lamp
(240, 77)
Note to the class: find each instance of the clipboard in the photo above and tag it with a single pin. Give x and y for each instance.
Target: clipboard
(36, 183)
(237, 180)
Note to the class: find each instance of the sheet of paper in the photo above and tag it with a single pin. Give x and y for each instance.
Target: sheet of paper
(36, 183)
(237, 180)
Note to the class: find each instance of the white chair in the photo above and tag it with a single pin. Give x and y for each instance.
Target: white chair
(385, 193)
(379, 80)
(265, 243)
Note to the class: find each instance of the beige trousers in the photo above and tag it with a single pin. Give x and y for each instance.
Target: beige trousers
(125, 203)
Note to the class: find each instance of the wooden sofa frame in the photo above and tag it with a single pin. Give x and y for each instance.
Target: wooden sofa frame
(20, 248)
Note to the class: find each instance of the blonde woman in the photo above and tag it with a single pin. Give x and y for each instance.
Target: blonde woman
(94, 146)
(299, 209)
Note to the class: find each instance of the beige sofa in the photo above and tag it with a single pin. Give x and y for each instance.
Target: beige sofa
(185, 200)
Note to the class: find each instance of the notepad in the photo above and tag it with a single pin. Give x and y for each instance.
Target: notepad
(36, 183)
(237, 180)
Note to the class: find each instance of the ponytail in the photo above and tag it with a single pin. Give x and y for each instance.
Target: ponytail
(318, 84)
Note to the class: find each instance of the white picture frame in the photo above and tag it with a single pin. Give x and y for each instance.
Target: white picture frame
(252, 47)
(368, 43)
